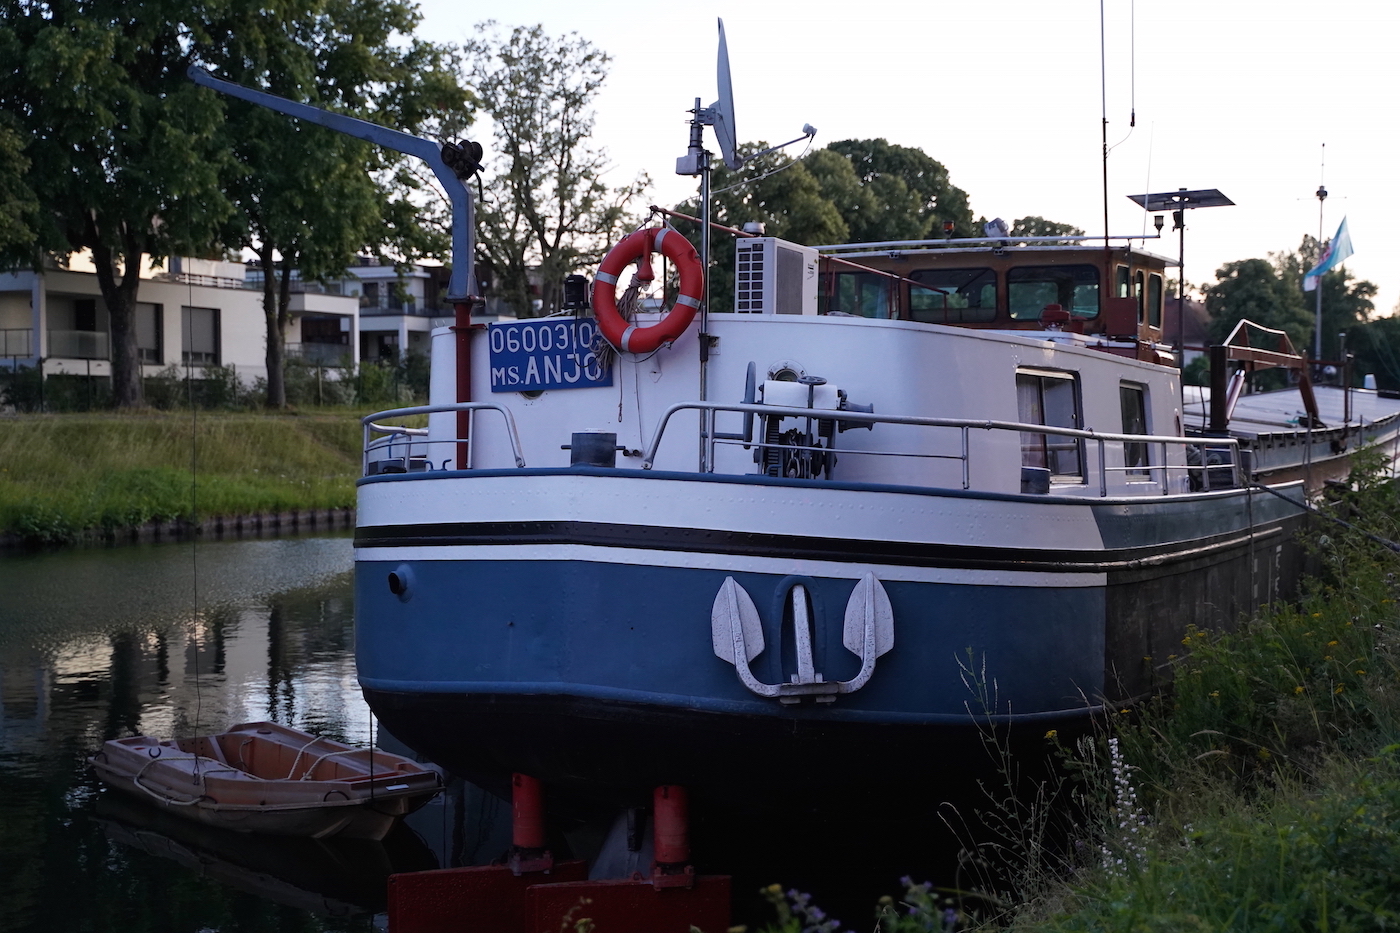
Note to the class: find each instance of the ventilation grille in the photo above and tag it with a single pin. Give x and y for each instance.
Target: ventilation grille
(749, 277)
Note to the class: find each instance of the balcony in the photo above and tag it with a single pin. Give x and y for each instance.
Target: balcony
(319, 354)
(383, 307)
(16, 342)
(79, 344)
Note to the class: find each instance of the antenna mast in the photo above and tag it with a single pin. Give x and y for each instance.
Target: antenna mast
(1317, 314)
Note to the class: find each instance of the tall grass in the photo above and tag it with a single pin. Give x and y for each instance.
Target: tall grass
(63, 474)
(1262, 792)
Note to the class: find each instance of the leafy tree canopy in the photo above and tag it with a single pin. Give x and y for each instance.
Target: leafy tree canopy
(119, 144)
(546, 204)
(309, 198)
(1253, 289)
(1035, 225)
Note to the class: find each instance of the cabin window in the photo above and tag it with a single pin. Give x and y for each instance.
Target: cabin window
(862, 293)
(200, 338)
(1051, 399)
(1139, 294)
(1133, 400)
(1074, 288)
(964, 295)
(1120, 282)
(1154, 300)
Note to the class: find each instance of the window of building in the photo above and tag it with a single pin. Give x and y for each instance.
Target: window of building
(1133, 401)
(149, 336)
(1051, 399)
(1154, 300)
(964, 295)
(862, 293)
(199, 341)
(85, 314)
(1140, 294)
(1074, 288)
(1120, 281)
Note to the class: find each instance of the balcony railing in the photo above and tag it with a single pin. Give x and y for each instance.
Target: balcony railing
(319, 354)
(79, 344)
(16, 341)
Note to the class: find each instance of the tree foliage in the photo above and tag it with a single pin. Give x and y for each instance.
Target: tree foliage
(1253, 289)
(1270, 292)
(308, 198)
(1346, 302)
(854, 190)
(119, 145)
(912, 194)
(1035, 225)
(546, 203)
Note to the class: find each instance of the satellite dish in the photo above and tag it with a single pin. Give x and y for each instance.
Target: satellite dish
(723, 109)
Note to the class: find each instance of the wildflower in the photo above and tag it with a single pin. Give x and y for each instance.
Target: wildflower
(1215, 693)
(1052, 733)
(1316, 615)
(1264, 754)
(1297, 690)
(1339, 689)
(1332, 643)
(1326, 657)
(1171, 657)
(1359, 671)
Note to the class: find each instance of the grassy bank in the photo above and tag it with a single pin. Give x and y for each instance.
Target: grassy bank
(63, 474)
(1262, 793)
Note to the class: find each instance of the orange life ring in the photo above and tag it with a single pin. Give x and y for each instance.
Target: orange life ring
(637, 247)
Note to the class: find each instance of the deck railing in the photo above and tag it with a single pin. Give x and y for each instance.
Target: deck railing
(1222, 447)
(399, 449)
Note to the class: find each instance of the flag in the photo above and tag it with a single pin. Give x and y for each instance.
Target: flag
(1336, 251)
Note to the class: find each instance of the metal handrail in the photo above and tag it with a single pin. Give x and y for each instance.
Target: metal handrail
(369, 424)
(963, 424)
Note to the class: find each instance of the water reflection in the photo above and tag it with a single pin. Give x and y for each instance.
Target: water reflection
(171, 639)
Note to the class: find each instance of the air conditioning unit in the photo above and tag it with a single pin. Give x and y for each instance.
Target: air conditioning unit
(773, 276)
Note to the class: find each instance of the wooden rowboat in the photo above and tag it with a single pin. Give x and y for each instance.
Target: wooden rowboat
(260, 777)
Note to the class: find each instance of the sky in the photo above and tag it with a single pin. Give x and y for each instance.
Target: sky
(1239, 96)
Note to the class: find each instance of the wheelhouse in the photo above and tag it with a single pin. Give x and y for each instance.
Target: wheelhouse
(1117, 293)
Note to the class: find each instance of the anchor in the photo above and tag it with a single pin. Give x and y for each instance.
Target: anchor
(737, 636)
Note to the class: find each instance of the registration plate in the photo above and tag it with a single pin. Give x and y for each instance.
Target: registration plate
(543, 354)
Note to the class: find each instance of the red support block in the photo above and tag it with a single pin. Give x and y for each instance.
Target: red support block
(630, 906)
(485, 899)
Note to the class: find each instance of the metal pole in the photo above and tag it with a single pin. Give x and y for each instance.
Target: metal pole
(707, 419)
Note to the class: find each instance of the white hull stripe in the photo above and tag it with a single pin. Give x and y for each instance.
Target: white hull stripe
(730, 563)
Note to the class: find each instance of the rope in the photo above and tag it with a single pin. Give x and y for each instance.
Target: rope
(1384, 542)
(199, 776)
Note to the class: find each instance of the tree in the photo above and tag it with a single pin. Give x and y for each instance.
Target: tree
(1346, 304)
(118, 142)
(912, 195)
(1035, 225)
(18, 206)
(546, 204)
(772, 189)
(1377, 348)
(308, 198)
(1253, 289)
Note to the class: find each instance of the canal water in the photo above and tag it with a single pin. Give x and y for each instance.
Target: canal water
(178, 640)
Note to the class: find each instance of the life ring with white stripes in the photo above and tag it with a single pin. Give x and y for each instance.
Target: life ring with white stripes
(637, 247)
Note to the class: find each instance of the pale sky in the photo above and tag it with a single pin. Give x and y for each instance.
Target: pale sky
(1233, 95)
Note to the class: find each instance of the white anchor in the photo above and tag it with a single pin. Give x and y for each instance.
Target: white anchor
(737, 635)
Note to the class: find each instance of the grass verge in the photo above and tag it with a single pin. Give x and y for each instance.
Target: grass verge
(61, 475)
(1261, 793)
